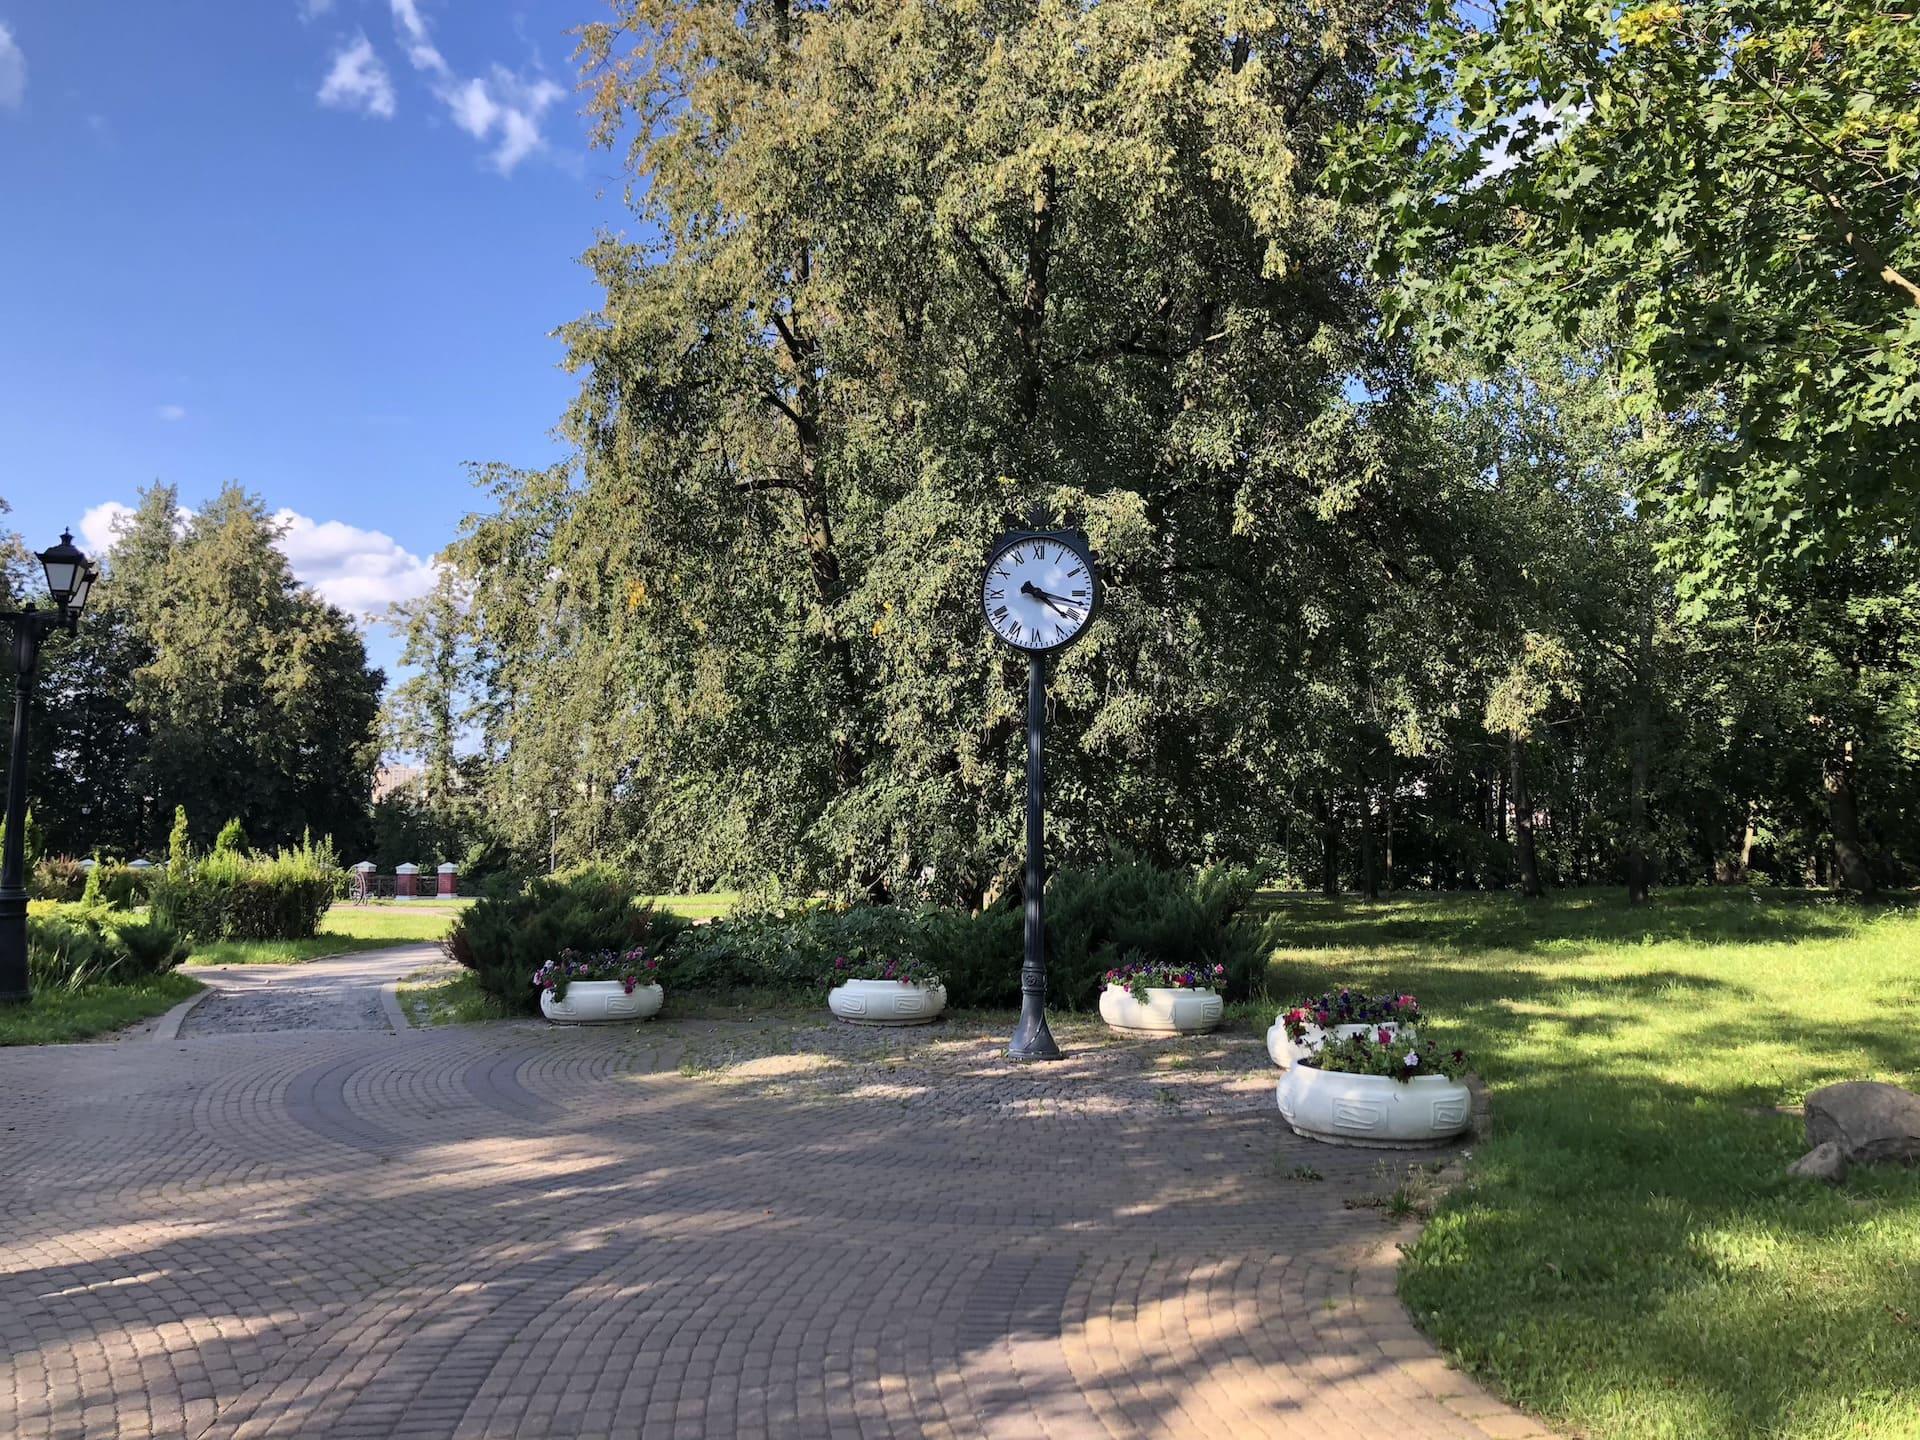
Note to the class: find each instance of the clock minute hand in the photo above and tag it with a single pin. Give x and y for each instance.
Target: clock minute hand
(1027, 587)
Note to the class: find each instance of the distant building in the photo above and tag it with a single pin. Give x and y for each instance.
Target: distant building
(389, 778)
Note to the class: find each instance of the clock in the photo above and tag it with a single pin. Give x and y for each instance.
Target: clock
(1040, 591)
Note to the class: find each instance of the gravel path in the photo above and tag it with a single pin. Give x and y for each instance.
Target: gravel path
(338, 994)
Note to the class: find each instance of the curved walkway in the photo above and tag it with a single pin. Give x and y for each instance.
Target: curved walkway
(748, 1229)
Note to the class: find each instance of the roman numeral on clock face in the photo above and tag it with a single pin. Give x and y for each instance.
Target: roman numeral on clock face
(996, 594)
(1001, 613)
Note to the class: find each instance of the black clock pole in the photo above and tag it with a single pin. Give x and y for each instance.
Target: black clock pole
(1031, 1038)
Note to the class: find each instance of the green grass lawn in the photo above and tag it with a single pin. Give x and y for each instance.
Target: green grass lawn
(345, 929)
(54, 1016)
(1627, 1257)
(382, 924)
(442, 995)
(710, 906)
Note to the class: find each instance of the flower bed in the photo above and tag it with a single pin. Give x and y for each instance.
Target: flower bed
(1387, 1088)
(884, 991)
(1302, 1028)
(587, 987)
(1163, 999)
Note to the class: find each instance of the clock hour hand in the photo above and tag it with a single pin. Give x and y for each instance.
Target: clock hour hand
(1027, 587)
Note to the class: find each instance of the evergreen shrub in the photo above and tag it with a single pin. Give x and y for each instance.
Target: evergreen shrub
(505, 939)
(1128, 912)
(70, 946)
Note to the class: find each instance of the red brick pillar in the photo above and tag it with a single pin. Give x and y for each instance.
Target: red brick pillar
(406, 882)
(449, 875)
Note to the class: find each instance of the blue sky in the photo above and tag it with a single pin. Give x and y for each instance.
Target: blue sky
(314, 246)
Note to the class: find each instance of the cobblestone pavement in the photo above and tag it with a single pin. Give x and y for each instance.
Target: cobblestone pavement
(689, 1228)
(341, 993)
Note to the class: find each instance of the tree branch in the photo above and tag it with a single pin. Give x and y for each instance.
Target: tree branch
(800, 422)
(985, 267)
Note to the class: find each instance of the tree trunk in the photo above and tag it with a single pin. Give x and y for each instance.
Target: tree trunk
(1329, 845)
(1386, 835)
(1843, 818)
(1639, 880)
(1526, 853)
(1369, 861)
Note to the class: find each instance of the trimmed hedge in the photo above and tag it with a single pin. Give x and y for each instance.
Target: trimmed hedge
(229, 896)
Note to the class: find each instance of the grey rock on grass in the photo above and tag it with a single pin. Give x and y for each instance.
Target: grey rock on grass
(1823, 1162)
(1871, 1122)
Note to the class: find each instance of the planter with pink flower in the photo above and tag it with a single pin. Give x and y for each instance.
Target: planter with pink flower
(1154, 997)
(1303, 1027)
(1390, 1089)
(885, 991)
(597, 987)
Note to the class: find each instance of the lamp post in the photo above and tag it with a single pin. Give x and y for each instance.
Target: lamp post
(553, 841)
(69, 580)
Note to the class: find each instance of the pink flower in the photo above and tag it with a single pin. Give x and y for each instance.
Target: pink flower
(1385, 1037)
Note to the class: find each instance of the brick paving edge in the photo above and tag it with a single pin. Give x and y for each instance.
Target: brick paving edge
(169, 1024)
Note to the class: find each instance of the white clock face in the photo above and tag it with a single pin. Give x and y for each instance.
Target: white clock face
(1038, 593)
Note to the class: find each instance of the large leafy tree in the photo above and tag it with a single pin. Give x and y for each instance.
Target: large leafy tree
(918, 275)
(1731, 185)
(1726, 188)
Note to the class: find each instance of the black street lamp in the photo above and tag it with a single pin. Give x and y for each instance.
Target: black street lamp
(70, 579)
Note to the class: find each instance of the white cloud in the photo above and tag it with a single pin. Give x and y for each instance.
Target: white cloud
(170, 412)
(413, 31)
(358, 81)
(499, 109)
(314, 9)
(361, 571)
(98, 526)
(13, 71)
(504, 106)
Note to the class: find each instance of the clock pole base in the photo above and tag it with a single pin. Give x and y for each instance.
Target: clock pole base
(1032, 1040)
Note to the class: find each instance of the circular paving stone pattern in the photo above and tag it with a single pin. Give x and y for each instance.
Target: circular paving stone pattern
(768, 1228)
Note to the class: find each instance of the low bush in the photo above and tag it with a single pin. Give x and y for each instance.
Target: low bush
(1097, 919)
(787, 950)
(153, 947)
(231, 896)
(70, 946)
(57, 877)
(66, 953)
(505, 939)
(124, 888)
(1131, 912)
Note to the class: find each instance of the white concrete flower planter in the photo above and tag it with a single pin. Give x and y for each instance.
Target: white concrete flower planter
(1371, 1110)
(1287, 1051)
(1163, 1012)
(886, 1002)
(596, 1002)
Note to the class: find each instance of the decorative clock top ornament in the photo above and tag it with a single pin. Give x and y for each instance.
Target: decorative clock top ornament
(1040, 590)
